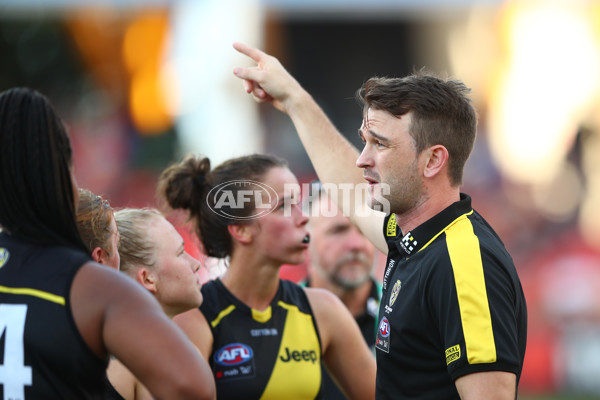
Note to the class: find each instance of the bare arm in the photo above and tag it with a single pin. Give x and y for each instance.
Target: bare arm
(332, 156)
(345, 352)
(116, 315)
(195, 326)
(125, 383)
(493, 385)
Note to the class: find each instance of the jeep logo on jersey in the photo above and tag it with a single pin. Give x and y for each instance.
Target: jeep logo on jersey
(233, 199)
(299, 355)
(384, 327)
(233, 354)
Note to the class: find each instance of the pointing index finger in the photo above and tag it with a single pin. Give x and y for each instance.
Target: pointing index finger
(251, 52)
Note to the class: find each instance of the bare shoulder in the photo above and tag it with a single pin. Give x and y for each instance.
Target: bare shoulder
(322, 300)
(98, 291)
(195, 326)
(330, 314)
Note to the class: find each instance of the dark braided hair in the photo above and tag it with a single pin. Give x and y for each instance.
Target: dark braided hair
(37, 198)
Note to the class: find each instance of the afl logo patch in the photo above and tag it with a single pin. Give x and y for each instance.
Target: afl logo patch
(4, 255)
(233, 354)
(395, 290)
(384, 327)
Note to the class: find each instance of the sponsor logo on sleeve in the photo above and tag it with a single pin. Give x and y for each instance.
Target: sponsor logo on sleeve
(452, 354)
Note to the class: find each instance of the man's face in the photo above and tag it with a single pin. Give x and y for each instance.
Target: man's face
(389, 158)
(338, 251)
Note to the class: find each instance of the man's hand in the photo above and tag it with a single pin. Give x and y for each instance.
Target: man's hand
(268, 81)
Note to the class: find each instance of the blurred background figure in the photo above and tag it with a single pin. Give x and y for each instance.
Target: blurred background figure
(342, 260)
(134, 85)
(98, 228)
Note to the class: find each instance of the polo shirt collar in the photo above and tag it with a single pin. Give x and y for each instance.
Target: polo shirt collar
(413, 241)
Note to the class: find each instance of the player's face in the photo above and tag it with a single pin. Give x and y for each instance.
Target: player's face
(280, 235)
(178, 284)
(389, 158)
(338, 249)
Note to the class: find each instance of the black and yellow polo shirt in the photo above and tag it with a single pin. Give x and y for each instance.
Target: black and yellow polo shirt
(452, 305)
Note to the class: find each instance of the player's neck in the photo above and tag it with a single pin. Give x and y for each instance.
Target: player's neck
(254, 285)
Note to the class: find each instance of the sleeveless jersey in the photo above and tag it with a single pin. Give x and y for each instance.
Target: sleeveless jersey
(270, 354)
(42, 353)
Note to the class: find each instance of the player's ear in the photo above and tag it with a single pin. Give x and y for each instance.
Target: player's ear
(437, 158)
(242, 233)
(147, 279)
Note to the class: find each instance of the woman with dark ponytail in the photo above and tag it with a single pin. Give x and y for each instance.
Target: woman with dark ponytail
(265, 338)
(61, 313)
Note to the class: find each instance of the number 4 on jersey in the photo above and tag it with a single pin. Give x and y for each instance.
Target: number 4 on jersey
(14, 375)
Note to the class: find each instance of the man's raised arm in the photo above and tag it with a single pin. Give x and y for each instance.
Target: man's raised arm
(332, 155)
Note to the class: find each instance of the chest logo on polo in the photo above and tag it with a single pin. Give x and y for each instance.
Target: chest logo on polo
(4, 255)
(395, 291)
(383, 335)
(408, 243)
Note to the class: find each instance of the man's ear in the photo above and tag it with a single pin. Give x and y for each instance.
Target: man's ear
(242, 233)
(147, 279)
(437, 159)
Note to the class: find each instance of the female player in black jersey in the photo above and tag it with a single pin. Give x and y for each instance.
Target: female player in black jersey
(265, 338)
(62, 314)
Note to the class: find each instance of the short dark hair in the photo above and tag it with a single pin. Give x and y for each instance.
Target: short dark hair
(442, 112)
(37, 199)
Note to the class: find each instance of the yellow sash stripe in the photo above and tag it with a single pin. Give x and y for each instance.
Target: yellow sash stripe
(34, 292)
(222, 315)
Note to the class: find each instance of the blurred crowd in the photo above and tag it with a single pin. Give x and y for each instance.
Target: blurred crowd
(120, 159)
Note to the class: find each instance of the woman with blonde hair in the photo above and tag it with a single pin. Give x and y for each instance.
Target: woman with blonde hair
(152, 253)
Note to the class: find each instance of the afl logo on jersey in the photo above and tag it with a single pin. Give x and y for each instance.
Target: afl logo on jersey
(395, 290)
(4, 255)
(384, 327)
(233, 354)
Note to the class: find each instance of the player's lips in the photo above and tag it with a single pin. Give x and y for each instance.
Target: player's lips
(371, 180)
(306, 239)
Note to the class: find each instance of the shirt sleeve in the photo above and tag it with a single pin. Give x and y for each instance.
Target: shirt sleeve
(472, 300)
